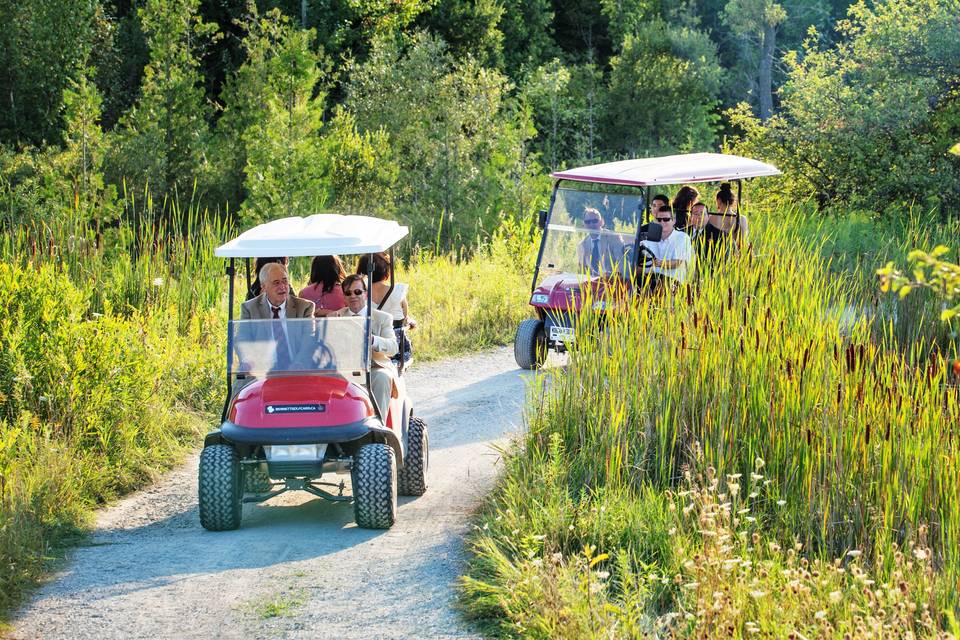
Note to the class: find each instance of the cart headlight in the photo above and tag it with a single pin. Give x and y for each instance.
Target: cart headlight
(294, 452)
(540, 298)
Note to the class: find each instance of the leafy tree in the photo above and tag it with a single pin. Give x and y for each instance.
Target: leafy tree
(42, 45)
(469, 27)
(528, 42)
(360, 167)
(567, 104)
(85, 145)
(626, 17)
(866, 122)
(582, 31)
(160, 148)
(284, 168)
(460, 147)
(348, 27)
(757, 21)
(662, 91)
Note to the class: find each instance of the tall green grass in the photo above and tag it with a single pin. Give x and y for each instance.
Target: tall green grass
(112, 357)
(772, 357)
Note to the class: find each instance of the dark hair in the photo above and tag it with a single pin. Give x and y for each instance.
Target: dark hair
(682, 202)
(665, 209)
(662, 197)
(725, 195)
(381, 266)
(350, 279)
(328, 271)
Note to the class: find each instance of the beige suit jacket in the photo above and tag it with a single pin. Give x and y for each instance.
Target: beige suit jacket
(259, 308)
(385, 340)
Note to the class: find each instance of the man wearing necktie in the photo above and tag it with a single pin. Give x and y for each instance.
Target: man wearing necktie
(601, 252)
(275, 303)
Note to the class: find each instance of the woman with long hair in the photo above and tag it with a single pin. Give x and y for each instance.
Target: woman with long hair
(682, 202)
(326, 274)
(728, 219)
(395, 304)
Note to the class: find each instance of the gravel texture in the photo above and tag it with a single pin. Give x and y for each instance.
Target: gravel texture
(298, 567)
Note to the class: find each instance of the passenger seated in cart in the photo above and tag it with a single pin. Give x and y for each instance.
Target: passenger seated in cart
(383, 342)
(275, 303)
(601, 252)
(672, 254)
(395, 303)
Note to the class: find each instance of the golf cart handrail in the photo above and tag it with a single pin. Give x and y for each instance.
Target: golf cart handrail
(678, 169)
(321, 234)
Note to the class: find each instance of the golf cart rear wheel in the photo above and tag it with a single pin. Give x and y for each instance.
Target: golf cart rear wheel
(374, 480)
(530, 344)
(412, 478)
(256, 479)
(219, 488)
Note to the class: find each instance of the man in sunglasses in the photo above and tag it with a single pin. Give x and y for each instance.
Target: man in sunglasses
(383, 341)
(601, 251)
(672, 254)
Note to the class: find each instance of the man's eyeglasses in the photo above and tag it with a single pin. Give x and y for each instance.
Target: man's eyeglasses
(354, 292)
(664, 219)
(591, 221)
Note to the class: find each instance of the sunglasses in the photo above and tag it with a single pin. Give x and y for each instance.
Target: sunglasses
(664, 219)
(355, 292)
(591, 221)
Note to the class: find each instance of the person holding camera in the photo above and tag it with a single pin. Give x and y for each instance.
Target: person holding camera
(672, 254)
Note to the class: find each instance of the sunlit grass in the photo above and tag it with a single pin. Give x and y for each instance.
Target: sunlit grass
(772, 357)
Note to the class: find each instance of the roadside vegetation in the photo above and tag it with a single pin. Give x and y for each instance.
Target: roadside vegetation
(111, 360)
(138, 134)
(769, 453)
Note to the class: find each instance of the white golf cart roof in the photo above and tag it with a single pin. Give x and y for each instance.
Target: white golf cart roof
(691, 167)
(322, 234)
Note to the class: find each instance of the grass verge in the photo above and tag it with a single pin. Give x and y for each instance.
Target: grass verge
(753, 458)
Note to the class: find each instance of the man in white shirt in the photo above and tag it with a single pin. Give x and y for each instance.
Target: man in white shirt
(383, 341)
(673, 254)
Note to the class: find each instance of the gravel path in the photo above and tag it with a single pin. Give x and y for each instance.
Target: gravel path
(298, 567)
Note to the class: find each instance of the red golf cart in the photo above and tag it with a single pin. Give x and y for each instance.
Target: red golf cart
(620, 193)
(299, 411)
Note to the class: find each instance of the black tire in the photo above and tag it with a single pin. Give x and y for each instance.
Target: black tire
(412, 478)
(530, 344)
(219, 488)
(374, 479)
(256, 479)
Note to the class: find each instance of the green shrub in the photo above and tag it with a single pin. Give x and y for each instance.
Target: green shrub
(91, 406)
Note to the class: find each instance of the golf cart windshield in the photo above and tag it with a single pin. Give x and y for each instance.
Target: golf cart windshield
(576, 243)
(303, 345)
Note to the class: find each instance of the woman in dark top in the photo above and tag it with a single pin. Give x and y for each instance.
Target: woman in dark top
(682, 203)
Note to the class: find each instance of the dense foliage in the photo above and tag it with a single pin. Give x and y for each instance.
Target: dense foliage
(445, 113)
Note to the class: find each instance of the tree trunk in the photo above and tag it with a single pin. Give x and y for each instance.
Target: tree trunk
(765, 80)
(303, 13)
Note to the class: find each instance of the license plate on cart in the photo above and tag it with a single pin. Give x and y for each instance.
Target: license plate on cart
(561, 334)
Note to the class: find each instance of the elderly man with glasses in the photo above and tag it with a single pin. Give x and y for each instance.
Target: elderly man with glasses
(672, 254)
(383, 341)
(601, 252)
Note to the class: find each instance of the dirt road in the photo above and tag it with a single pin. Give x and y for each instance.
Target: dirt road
(298, 567)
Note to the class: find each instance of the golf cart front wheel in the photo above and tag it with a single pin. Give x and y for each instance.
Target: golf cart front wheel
(374, 480)
(530, 344)
(412, 477)
(219, 488)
